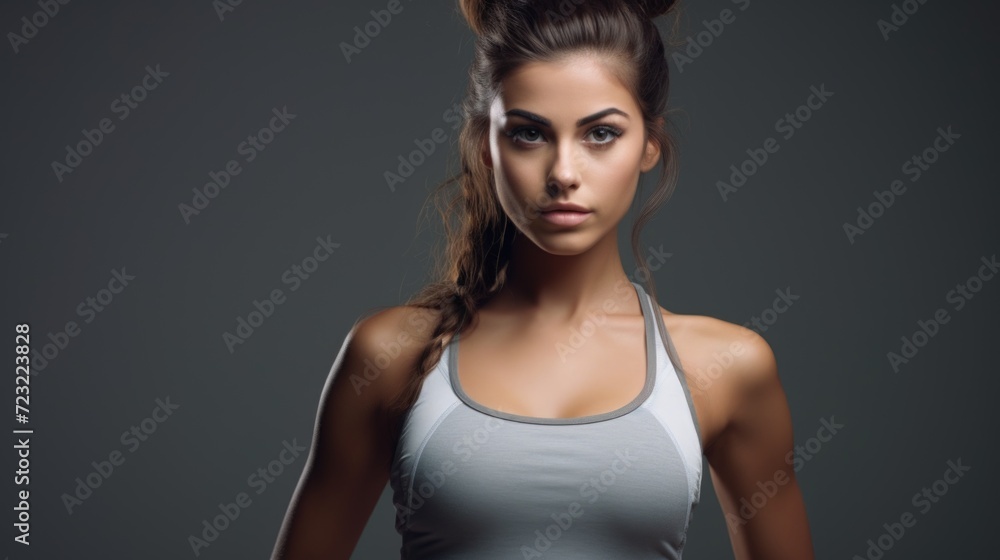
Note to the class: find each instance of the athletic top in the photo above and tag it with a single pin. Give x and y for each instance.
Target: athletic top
(472, 482)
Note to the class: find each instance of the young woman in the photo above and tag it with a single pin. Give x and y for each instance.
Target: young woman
(535, 402)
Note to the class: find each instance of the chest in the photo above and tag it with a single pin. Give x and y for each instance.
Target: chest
(577, 372)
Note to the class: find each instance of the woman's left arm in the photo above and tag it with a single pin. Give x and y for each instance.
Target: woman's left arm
(751, 462)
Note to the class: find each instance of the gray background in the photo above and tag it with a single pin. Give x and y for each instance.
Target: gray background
(323, 176)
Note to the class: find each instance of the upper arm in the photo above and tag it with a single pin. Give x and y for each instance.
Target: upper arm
(751, 464)
(349, 460)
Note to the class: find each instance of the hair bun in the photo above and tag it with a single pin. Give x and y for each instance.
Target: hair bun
(653, 8)
(476, 13)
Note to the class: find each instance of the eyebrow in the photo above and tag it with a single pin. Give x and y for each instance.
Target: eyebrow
(540, 119)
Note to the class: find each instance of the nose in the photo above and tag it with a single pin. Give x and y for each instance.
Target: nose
(566, 168)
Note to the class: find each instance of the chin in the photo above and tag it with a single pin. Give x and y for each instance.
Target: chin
(563, 243)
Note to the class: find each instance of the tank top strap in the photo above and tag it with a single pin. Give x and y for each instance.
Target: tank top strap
(663, 338)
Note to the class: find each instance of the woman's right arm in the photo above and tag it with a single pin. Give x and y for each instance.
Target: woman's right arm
(348, 464)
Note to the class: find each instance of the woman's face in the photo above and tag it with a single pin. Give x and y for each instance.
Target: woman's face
(567, 132)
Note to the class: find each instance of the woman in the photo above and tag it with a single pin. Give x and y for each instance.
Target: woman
(575, 428)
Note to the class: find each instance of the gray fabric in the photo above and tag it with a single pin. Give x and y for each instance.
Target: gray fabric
(470, 482)
(675, 360)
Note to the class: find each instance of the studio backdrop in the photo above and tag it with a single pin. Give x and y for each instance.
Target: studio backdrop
(200, 198)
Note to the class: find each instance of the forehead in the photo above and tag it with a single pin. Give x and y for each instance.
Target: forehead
(564, 90)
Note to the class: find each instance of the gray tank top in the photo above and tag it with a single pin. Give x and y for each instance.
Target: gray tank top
(471, 482)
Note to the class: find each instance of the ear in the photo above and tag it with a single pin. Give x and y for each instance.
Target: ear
(651, 156)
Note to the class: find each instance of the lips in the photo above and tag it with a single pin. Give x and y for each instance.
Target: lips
(565, 217)
(565, 207)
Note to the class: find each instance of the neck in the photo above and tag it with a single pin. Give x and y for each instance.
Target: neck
(568, 287)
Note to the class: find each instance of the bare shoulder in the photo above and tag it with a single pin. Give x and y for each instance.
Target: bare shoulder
(385, 346)
(725, 364)
(751, 436)
(743, 352)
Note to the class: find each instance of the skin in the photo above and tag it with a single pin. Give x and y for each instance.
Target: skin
(510, 358)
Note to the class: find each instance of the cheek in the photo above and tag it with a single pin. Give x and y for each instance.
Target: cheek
(517, 173)
(519, 183)
(614, 174)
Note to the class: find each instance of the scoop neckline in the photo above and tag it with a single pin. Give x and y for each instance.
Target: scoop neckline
(647, 389)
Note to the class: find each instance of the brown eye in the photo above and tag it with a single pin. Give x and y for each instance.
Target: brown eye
(605, 134)
(518, 138)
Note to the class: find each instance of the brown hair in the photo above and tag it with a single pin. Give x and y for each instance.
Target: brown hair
(478, 232)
